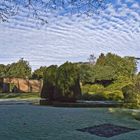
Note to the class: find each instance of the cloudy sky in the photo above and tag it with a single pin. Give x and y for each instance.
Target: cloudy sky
(72, 37)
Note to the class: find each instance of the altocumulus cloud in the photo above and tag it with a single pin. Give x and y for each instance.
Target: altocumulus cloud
(70, 37)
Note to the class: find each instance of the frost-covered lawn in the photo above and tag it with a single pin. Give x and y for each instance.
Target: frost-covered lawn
(28, 122)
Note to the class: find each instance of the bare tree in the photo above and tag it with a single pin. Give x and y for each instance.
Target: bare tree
(10, 8)
(92, 59)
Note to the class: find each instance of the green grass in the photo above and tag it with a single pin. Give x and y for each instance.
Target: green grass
(131, 113)
(19, 95)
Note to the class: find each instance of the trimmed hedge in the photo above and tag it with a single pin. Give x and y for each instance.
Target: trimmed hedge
(61, 83)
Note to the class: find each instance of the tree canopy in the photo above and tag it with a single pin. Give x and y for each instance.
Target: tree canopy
(19, 69)
(38, 73)
(3, 70)
(49, 82)
(108, 67)
(62, 83)
(123, 66)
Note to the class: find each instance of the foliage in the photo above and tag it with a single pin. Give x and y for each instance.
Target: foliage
(20, 69)
(122, 66)
(99, 92)
(38, 73)
(104, 73)
(119, 83)
(68, 84)
(87, 73)
(49, 82)
(3, 70)
(92, 73)
(132, 93)
(90, 89)
(62, 83)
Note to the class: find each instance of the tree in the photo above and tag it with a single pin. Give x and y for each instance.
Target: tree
(90, 74)
(123, 66)
(101, 60)
(38, 73)
(3, 70)
(20, 69)
(68, 82)
(87, 73)
(131, 93)
(92, 59)
(49, 83)
(62, 83)
(10, 8)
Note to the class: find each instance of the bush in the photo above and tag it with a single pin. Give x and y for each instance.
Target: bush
(68, 84)
(85, 89)
(98, 92)
(90, 89)
(93, 97)
(61, 84)
(128, 92)
(131, 96)
(49, 83)
(116, 95)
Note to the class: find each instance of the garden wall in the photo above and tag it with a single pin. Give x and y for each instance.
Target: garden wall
(21, 85)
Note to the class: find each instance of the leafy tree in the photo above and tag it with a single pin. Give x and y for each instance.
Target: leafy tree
(68, 82)
(20, 69)
(3, 70)
(123, 66)
(104, 73)
(131, 93)
(49, 83)
(87, 73)
(61, 84)
(101, 60)
(38, 73)
(92, 73)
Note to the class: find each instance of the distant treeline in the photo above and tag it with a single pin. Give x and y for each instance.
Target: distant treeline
(108, 77)
(106, 67)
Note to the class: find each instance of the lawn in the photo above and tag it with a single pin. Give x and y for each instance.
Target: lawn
(19, 95)
(32, 122)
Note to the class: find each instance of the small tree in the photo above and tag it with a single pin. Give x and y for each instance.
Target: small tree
(38, 73)
(132, 93)
(49, 83)
(20, 69)
(3, 70)
(92, 59)
(68, 84)
(61, 84)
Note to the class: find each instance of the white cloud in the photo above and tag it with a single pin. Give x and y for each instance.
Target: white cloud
(71, 38)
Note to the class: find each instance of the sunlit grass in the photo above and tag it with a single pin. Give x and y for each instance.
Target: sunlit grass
(19, 95)
(131, 113)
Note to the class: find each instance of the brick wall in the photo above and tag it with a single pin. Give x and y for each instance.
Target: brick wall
(24, 85)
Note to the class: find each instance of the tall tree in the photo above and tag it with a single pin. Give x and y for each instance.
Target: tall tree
(92, 59)
(123, 66)
(20, 69)
(49, 83)
(3, 70)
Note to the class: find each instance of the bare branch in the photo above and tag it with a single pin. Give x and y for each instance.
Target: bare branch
(9, 8)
